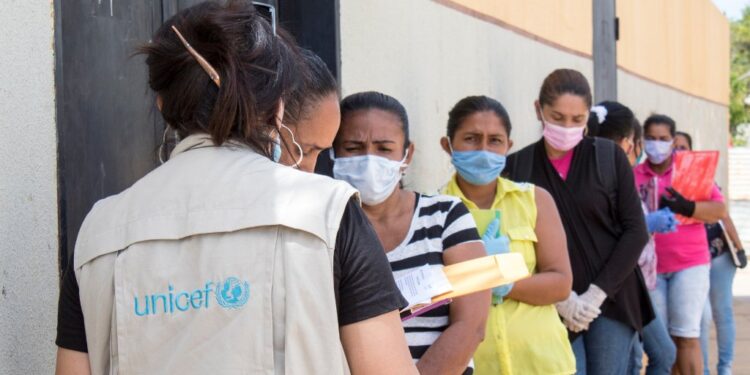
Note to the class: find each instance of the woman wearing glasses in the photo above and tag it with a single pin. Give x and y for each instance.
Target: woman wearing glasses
(224, 260)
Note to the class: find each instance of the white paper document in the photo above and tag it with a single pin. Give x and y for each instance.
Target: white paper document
(420, 285)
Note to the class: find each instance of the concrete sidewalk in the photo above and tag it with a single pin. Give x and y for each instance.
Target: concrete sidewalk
(742, 344)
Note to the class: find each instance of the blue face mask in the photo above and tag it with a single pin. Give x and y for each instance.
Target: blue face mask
(478, 167)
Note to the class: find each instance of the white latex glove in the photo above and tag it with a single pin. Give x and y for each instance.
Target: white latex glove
(567, 308)
(574, 327)
(571, 312)
(590, 303)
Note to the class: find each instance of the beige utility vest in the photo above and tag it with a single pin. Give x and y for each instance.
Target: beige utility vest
(218, 262)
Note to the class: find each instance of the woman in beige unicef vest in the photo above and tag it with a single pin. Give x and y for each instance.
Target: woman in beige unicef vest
(223, 260)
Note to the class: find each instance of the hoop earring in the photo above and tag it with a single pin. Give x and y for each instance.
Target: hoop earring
(162, 159)
(166, 138)
(299, 148)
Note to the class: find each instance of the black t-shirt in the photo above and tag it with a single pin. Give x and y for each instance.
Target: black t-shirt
(363, 282)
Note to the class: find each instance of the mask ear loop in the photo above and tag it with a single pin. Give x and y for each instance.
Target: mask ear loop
(403, 163)
(299, 148)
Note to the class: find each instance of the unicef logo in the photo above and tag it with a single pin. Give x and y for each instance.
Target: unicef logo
(233, 293)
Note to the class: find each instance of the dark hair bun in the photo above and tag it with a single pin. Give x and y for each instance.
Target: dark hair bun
(615, 120)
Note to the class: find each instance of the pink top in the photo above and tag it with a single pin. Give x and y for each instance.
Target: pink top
(688, 247)
(562, 165)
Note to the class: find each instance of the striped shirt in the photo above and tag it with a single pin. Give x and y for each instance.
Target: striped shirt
(439, 222)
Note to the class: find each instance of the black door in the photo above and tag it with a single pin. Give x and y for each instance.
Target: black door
(108, 127)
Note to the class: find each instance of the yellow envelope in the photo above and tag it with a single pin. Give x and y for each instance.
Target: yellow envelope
(483, 273)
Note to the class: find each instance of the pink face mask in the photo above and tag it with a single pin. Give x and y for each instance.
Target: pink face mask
(560, 137)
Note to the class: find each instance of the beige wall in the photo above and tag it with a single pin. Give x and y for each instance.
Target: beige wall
(28, 189)
(566, 23)
(680, 43)
(429, 56)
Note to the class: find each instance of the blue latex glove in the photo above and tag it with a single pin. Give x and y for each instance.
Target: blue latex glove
(661, 221)
(495, 244)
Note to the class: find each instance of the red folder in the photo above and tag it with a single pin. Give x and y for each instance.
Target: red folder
(693, 176)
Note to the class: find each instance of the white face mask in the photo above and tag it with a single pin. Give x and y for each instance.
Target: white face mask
(374, 176)
(658, 151)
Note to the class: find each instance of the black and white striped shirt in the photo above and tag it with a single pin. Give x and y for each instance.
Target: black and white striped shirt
(439, 223)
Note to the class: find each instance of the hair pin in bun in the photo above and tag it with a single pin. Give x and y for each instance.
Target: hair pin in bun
(198, 57)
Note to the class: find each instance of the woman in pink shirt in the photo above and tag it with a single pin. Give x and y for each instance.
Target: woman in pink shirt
(683, 266)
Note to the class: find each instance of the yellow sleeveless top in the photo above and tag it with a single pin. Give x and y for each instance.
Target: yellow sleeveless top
(520, 339)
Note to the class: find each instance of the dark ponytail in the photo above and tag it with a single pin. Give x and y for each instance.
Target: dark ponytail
(256, 67)
(617, 123)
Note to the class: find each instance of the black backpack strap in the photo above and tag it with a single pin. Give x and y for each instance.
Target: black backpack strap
(523, 164)
(605, 167)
